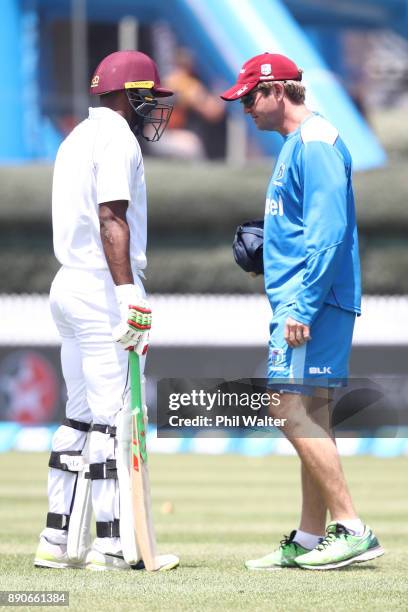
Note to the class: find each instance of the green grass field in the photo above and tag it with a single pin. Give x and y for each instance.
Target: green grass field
(225, 509)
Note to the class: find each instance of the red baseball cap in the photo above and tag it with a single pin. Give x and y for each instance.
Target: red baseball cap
(127, 70)
(264, 67)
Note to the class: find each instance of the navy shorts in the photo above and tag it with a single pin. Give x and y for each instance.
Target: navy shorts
(320, 362)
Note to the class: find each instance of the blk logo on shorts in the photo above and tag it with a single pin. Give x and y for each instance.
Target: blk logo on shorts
(323, 370)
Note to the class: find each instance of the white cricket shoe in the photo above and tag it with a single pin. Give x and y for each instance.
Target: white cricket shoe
(53, 555)
(106, 554)
(167, 562)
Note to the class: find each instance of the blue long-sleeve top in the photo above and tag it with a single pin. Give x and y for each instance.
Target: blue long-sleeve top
(310, 234)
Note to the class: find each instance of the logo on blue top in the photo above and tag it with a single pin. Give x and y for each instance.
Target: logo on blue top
(277, 357)
(281, 172)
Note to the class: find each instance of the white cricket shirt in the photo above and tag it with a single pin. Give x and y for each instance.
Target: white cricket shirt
(100, 161)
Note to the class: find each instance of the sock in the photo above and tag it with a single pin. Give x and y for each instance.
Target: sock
(354, 526)
(307, 540)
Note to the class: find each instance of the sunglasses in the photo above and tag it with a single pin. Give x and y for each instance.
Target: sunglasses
(248, 100)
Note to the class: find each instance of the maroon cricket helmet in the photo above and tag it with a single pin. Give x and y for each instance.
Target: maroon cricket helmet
(261, 68)
(127, 70)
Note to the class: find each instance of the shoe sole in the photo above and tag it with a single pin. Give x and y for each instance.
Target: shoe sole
(368, 555)
(42, 563)
(94, 567)
(103, 568)
(169, 566)
(274, 568)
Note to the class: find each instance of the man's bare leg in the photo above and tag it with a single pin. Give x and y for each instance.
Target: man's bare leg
(314, 509)
(313, 519)
(318, 454)
(347, 539)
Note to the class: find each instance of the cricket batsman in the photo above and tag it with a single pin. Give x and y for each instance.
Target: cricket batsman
(312, 280)
(99, 305)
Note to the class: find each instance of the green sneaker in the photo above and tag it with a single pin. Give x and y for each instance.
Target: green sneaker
(284, 556)
(340, 548)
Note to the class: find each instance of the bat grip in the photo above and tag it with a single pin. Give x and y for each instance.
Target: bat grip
(135, 382)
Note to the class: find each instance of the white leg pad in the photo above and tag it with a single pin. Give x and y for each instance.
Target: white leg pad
(79, 530)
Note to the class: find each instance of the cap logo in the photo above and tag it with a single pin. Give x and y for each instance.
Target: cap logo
(241, 90)
(242, 70)
(266, 69)
(95, 81)
(139, 85)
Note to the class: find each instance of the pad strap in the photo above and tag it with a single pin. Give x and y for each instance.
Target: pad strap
(106, 429)
(57, 521)
(102, 471)
(79, 425)
(68, 461)
(109, 529)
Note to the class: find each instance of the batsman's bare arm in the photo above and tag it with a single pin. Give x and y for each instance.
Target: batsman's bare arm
(115, 236)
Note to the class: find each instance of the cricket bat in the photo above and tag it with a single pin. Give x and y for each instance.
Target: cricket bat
(140, 482)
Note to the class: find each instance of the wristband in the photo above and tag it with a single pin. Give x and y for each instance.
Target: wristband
(128, 294)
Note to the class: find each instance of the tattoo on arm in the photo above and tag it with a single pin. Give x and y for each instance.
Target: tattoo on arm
(115, 236)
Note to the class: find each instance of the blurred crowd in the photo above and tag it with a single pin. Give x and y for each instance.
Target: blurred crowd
(372, 66)
(197, 113)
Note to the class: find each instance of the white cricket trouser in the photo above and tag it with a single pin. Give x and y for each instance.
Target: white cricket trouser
(95, 370)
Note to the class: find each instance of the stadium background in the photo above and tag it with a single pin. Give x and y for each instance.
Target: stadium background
(359, 50)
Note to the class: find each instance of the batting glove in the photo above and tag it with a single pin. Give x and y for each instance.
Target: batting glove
(132, 333)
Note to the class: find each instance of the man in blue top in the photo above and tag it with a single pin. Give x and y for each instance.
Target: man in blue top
(312, 280)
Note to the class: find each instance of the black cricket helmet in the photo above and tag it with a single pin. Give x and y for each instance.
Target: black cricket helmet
(248, 246)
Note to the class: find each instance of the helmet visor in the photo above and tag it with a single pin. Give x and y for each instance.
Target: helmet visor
(154, 115)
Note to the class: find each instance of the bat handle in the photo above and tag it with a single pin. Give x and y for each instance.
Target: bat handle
(135, 381)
